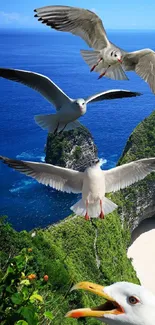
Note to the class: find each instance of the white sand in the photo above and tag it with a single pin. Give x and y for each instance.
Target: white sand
(142, 251)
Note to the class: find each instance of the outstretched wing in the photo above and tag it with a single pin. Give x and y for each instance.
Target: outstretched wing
(143, 63)
(112, 94)
(62, 179)
(81, 22)
(125, 175)
(38, 82)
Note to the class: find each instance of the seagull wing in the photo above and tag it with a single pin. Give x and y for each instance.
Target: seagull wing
(125, 175)
(62, 179)
(38, 82)
(143, 63)
(81, 22)
(112, 94)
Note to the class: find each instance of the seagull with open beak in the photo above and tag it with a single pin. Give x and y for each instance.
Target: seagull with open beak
(126, 304)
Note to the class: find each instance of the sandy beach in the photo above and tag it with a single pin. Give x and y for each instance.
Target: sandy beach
(142, 251)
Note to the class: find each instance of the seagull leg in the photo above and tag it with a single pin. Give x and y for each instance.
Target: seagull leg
(103, 74)
(55, 131)
(63, 129)
(86, 215)
(95, 65)
(101, 216)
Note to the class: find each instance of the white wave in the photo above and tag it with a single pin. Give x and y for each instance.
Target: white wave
(30, 156)
(102, 161)
(22, 185)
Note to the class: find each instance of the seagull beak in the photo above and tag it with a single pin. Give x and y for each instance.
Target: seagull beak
(120, 61)
(110, 307)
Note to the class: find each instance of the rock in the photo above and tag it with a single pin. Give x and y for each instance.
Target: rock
(138, 200)
(72, 149)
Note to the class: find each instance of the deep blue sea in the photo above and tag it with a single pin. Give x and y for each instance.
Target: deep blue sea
(57, 55)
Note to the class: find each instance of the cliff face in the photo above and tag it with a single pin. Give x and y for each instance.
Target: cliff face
(72, 149)
(139, 199)
(75, 250)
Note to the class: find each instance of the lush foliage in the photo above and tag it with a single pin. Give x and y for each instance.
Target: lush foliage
(141, 143)
(74, 148)
(136, 198)
(20, 301)
(68, 253)
(39, 268)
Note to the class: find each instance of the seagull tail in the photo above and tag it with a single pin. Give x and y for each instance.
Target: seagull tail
(47, 122)
(108, 206)
(92, 58)
(79, 208)
(51, 123)
(94, 209)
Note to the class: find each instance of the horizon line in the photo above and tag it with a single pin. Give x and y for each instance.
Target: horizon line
(54, 31)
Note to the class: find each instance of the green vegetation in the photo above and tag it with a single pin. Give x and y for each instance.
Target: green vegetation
(74, 148)
(141, 144)
(77, 152)
(65, 252)
(20, 302)
(71, 251)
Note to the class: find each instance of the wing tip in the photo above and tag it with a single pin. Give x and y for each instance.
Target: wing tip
(3, 158)
(139, 94)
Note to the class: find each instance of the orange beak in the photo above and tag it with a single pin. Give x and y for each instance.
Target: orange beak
(110, 307)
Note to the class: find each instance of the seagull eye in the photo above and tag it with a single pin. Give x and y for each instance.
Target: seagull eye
(115, 55)
(133, 300)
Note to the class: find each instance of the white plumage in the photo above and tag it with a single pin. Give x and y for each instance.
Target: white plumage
(93, 183)
(107, 58)
(68, 110)
(126, 304)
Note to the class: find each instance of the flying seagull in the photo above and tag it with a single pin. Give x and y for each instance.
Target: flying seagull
(126, 304)
(93, 183)
(107, 58)
(68, 110)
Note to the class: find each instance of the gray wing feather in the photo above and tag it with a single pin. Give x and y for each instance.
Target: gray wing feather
(127, 174)
(143, 63)
(62, 179)
(111, 94)
(81, 22)
(46, 87)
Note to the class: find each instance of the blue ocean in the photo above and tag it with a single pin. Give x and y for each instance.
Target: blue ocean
(57, 55)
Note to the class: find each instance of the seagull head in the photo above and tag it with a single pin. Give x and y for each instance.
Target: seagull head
(126, 304)
(117, 56)
(80, 105)
(95, 162)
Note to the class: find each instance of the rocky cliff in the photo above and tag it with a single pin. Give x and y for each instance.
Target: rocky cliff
(139, 199)
(72, 149)
(75, 250)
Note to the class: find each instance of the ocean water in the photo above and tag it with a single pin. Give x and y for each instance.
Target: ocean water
(57, 55)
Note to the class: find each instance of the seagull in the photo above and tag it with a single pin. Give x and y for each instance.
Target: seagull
(93, 183)
(108, 59)
(68, 110)
(126, 304)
